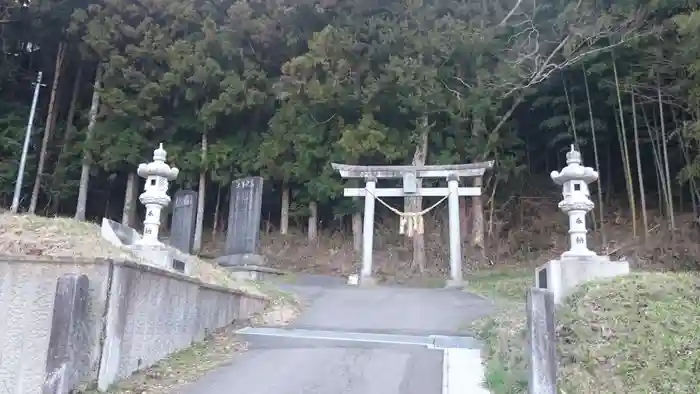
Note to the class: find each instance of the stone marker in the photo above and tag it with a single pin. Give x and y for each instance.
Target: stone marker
(119, 234)
(542, 354)
(69, 345)
(183, 221)
(243, 234)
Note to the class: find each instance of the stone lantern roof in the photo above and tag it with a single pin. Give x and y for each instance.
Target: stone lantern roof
(574, 171)
(158, 167)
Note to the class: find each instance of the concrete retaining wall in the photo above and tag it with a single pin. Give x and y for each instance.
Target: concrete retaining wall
(136, 315)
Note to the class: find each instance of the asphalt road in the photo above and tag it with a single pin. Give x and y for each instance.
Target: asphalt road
(353, 340)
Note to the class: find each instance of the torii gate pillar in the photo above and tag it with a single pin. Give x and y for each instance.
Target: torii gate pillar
(455, 236)
(368, 231)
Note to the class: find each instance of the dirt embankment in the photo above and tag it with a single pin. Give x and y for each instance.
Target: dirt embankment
(30, 235)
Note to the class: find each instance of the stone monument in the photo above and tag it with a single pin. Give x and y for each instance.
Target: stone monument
(183, 222)
(243, 234)
(578, 264)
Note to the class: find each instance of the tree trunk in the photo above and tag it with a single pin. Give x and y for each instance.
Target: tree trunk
(609, 185)
(215, 226)
(87, 156)
(572, 116)
(356, 222)
(464, 216)
(601, 210)
(59, 173)
(658, 167)
(680, 126)
(313, 221)
(664, 146)
(129, 209)
(622, 136)
(108, 203)
(415, 204)
(48, 130)
(357, 232)
(492, 209)
(478, 220)
(284, 213)
(640, 178)
(695, 197)
(199, 224)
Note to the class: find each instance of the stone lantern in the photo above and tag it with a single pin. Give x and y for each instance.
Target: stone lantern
(577, 265)
(576, 203)
(155, 196)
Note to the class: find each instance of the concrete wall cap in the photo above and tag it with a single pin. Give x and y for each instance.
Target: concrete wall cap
(18, 259)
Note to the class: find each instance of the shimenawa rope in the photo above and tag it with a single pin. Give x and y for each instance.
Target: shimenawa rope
(410, 223)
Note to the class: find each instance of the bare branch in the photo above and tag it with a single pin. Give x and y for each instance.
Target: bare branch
(457, 94)
(517, 5)
(653, 98)
(508, 114)
(534, 55)
(545, 69)
(323, 122)
(463, 82)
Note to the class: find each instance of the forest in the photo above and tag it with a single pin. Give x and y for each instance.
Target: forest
(281, 89)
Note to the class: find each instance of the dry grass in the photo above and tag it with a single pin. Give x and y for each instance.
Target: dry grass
(332, 253)
(630, 335)
(30, 235)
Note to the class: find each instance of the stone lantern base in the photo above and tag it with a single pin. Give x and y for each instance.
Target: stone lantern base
(562, 276)
(163, 256)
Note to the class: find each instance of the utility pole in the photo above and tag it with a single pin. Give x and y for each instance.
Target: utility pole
(25, 147)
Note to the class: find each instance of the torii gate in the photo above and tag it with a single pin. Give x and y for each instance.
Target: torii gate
(410, 176)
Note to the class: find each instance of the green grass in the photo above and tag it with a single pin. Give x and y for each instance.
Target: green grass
(631, 335)
(503, 332)
(504, 350)
(502, 284)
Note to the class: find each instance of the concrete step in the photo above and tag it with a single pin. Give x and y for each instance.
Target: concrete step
(345, 338)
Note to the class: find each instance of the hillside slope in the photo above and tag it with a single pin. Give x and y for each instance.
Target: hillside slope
(631, 335)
